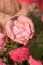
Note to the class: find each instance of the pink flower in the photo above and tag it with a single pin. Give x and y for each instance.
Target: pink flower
(33, 61)
(27, 1)
(19, 55)
(1, 40)
(20, 30)
(1, 62)
(41, 5)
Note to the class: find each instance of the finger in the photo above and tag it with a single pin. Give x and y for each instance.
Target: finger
(8, 30)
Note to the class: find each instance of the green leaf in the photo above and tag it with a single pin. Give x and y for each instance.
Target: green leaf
(40, 37)
(25, 62)
(38, 23)
(9, 61)
(37, 50)
(1, 54)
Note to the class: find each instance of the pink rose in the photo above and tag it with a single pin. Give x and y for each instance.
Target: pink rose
(1, 62)
(19, 55)
(20, 30)
(1, 40)
(33, 61)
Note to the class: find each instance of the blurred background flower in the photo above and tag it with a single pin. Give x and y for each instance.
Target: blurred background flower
(19, 54)
(33, 61)
(1, 62)
(1, 41)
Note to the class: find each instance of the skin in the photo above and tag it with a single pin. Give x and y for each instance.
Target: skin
(25, 9)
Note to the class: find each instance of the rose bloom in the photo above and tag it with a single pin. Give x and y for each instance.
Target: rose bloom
(1, 40)
(20, 30)
(1, 62)
(19, 54)
(33, 61)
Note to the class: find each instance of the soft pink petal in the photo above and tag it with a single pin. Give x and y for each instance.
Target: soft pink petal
(19, 54)
(33, 61)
